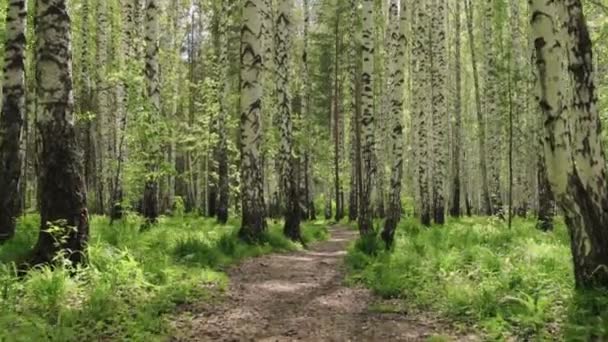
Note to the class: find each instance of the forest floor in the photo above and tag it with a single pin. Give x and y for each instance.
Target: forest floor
(303, 296)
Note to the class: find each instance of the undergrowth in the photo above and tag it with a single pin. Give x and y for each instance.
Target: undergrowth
(132, 282)
(514, 283)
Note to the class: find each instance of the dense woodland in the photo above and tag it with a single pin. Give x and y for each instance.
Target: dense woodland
(147, 144)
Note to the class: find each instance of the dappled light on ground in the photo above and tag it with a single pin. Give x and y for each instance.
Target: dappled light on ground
(300, 296)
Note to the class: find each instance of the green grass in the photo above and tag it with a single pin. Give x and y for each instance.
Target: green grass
(133, 280)
(514, 283)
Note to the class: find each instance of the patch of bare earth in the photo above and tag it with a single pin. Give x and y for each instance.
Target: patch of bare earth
(301, 296)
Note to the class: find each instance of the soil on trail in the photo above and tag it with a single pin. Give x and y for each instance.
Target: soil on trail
(301, 296)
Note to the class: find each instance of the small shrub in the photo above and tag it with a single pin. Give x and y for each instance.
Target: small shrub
(314, 232)
(193, 249)
(369, 244)
(228, 244)
(275, 239)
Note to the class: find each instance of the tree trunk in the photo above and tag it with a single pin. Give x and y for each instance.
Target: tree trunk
(367, 119)
(397, 63)
(126, 54)
(286, 150)
(493, 120)
(521, 190)
(485, 191)
(222, 149)
(545, 196)
(354, 95)
(336, 118)
(423, 105)
(576, 163)
(103, 118)
(63, 212)
(12, 117)
(252, 184)
(306, 115)
(457, 145)
(439, 106)
(150, 201)
(84, 105)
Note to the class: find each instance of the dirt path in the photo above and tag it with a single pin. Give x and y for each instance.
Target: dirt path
(300, 296)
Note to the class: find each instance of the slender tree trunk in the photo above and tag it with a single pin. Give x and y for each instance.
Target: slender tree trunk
(252, 183)
(102, 121)
(521, 193)
(224, 177)
(367, 119)
(336, 118)
(84, 105)
(352, 196)
(288, 160)
(493, 118)
(358, 144)
(306, 113)
(63, 212)
(353, 80)
(217, 29)
(439, 73)
(12, 117)
(575, 159)
(381, 109)
(423, 105)
(173, 79)
(510, 133)
(126, 54)
(150, 200)
(397, 63)
(485, 192)
(457, 144)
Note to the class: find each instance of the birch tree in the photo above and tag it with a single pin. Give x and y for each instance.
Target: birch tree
(492, 119)
(222, 153)
(575, 159)
(367, 118)
(63, 212)
(518, 105)
(125, 56)
(252, 183)
(354, 148)
(150, 205)
(457, 141)
(306, 114)
(486, 202)
(286, 151)
(103, 121)
(12, 117)
(336, 120)
(439, 107)
(423, 105)
(397, 22)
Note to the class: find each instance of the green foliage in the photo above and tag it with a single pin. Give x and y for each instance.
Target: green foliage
(369, 244)
(514, 283)
(315, 231)
(133, 279)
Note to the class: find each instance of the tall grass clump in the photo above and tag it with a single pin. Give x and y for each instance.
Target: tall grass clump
(514, 283)
(131, 283)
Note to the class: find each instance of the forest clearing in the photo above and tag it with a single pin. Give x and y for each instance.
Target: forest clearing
(314, 170)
